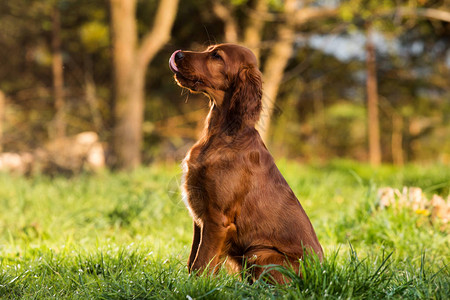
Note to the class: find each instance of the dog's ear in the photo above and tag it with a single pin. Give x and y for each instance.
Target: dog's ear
(245, 104)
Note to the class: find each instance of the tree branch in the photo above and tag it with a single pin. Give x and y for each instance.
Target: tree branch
(429, 13)
(308, 14)
(160, 33)
(224, 13)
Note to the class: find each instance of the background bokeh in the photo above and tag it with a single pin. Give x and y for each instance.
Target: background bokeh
(69, 67)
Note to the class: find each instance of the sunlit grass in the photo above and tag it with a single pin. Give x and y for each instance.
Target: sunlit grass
(127, 236)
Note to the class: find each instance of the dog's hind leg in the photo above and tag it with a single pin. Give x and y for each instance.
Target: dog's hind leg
(262, 262)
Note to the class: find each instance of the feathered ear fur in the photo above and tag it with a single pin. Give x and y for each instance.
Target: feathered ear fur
(245, 103)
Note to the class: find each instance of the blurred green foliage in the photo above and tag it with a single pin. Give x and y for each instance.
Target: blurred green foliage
(318, 87)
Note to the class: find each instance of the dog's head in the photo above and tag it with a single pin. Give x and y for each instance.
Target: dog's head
(219, 69)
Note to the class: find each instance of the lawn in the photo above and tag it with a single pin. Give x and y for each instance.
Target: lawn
(127, 236)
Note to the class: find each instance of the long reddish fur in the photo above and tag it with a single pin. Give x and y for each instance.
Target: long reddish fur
(243, 209)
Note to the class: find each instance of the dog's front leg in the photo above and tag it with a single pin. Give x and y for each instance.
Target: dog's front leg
(195, 244)
(212, 241)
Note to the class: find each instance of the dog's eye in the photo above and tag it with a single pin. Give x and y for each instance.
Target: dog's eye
(215, 55)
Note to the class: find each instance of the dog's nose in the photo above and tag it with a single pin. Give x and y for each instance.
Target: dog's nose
(179, 56)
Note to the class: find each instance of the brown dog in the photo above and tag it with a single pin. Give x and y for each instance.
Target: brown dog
(243, 208)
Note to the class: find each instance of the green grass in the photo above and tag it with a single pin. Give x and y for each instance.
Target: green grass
(127, 236)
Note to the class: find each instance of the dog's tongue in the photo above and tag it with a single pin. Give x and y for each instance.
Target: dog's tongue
(172, 63)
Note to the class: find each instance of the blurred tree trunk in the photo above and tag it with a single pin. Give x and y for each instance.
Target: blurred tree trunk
(92, 100)
(319, 114)
(280, 53)
(252, 32)
(130, 62)
(58, 129)
(2, 116)
(275, 64)
(225, 13)
(372, 100)
(397, 139)
(281, 49)
(126, 144)
(255, 25)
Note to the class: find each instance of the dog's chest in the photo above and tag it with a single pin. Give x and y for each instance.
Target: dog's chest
(195, 194)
